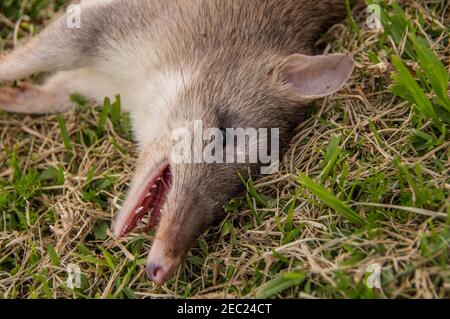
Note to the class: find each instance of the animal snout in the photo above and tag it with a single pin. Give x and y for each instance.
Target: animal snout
(156, 273)
(160, 266)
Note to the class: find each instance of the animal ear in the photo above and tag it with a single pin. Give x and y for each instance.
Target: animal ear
(313, 77)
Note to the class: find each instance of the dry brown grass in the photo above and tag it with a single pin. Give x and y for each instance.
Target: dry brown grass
(333, 254)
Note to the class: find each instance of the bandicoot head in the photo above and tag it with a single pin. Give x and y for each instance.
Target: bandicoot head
(184, 194)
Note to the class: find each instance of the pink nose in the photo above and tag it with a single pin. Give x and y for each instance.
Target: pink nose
(156, 273)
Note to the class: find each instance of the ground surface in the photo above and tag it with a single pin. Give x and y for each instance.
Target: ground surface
(377, 197)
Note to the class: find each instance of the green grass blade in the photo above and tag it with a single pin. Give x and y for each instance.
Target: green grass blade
(396, 25)
(352, 23)
(64, 133)
(375, 133)
(279, 284)
(332, 154)
(419, 98)
(330, 200)
(293, 234)
(104, 116)
(110, 259)
(53, 256)
(250, 186)
(434, 69)
(116, 111)
(290, 214)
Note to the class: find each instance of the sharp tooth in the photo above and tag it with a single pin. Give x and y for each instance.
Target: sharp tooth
(138, 210)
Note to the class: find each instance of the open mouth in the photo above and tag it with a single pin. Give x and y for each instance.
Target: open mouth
(147, 211)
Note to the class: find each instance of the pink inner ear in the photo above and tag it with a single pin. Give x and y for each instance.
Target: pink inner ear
(317, 76)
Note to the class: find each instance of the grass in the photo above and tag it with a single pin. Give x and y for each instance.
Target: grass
(365, 182)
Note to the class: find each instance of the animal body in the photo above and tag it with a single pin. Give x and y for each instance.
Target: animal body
(226, 63)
